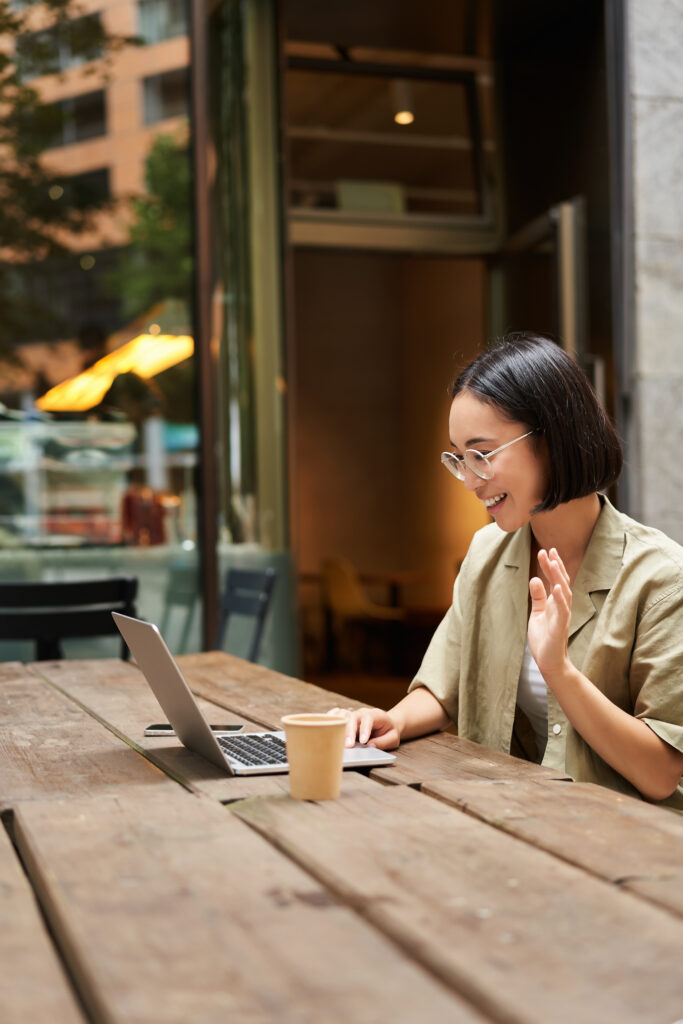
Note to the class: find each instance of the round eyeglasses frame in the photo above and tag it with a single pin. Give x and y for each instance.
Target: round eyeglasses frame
(474, 460)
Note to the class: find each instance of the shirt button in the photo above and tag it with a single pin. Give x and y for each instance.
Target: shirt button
(557, 729)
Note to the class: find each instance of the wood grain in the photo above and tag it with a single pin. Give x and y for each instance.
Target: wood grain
(445, 756)
(116, 693)
(50, 748)
(255, 691)
(264, 696)
(523, 935)
(174, 910)
(617, 837)
(33, 985)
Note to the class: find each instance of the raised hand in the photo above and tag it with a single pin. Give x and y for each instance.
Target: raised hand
(550, 614)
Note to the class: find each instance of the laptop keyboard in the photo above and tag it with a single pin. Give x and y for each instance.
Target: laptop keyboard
(254, 749)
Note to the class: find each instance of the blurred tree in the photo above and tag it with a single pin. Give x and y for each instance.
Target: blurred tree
(37, 206)
(157, 264)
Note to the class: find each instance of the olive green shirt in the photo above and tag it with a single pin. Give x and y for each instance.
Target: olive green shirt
(625, 635)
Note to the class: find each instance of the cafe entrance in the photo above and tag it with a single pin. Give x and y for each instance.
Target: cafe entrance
(436, 198)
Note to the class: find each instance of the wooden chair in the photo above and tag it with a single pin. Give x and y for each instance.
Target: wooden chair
(48, 613)
(346, 603)
(247, 592)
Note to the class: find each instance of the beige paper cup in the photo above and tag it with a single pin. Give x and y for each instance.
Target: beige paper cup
(315, 751)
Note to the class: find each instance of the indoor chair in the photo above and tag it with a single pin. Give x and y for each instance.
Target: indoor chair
(346, 603)
(248, 593)
(182, 593)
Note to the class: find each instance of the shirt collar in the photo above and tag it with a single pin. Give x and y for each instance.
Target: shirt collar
(605, 550)
(603, 556)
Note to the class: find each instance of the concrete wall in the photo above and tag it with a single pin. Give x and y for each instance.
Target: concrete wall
(656, 44)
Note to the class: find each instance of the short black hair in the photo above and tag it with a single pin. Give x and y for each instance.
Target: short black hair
(532, 380)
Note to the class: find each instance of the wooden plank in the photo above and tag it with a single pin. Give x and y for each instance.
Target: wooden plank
(259, 693)
(10, 670)
(174, 910)
(264, 696)
(116, 693)
(525, 936)
(446, 756)
(616, 837)
(239, 691)
(33, 985)
(50, 748)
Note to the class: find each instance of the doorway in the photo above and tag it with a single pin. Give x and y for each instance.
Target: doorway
(379, 337)
(399, 273)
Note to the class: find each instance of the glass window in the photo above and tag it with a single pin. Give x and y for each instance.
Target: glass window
(60, 47)
(83, 117)
(380, 143)
(43, 126)
(37, 53)
(246, 317)
(161, 19)
(98, 435)
(389, 124)
(165, 95)
(88, 188)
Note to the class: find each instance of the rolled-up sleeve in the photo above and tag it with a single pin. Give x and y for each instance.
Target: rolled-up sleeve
(440, 668)
(656, 675)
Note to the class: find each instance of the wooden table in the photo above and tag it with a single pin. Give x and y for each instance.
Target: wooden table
(141, 884)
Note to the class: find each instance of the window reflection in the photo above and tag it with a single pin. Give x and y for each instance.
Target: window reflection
(60, 47)
(165, 95)
(161, 19)
(385, 132)
(98, 434)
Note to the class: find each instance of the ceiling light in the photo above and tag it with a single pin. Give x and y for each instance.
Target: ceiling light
(402, 95)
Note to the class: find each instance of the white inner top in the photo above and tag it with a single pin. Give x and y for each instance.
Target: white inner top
(532, 698)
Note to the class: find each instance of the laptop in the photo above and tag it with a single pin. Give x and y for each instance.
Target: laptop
(255, 753)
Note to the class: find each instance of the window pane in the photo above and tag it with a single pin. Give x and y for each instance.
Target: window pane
(348, 152)
(98, 435)
(161, 19)
(84, 117)
(61, 47)
(165, 95)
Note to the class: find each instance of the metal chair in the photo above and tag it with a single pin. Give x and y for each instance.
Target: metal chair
(247, 592)
(182, 593)
(48, 613)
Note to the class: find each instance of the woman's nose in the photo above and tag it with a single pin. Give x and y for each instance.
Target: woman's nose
(472, 481)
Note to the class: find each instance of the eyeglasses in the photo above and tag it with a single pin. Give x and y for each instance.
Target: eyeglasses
(478, 463)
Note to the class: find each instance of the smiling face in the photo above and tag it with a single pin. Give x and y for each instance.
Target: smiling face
(520, 473)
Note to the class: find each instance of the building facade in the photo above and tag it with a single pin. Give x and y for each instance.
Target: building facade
(348, 208)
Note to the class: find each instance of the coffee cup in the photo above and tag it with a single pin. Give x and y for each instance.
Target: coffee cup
(315, 751)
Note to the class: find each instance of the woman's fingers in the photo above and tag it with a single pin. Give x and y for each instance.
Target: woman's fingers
(562, 602)
(351, 723)
(367, 725)
(554, 569)
(538, 595)
(555, 557)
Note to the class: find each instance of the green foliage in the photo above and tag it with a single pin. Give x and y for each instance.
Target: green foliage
(34, 202)
(157, 264)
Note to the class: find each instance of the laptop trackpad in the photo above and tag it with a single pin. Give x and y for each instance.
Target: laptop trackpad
(360, 755)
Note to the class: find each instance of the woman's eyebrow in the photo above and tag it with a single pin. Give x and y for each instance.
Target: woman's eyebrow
(473, 440)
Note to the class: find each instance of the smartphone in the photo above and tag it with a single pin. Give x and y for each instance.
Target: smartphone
(164, 729)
